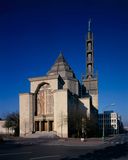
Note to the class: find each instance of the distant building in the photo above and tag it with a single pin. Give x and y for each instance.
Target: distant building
(58, 102)
(111, 121)
(4, 130)
(126, 129)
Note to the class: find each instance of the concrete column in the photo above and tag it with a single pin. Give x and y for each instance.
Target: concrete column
(52, 125)
(48, 126)
(34, 127)
(40, 126)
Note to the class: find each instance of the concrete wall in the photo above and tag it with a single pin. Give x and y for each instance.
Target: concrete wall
(26, 116)
(61, 112)
(73, 115)
(72, 85)
(91, 86)
(31, 111)
(95, 100)
(86, 102)
(34, 84)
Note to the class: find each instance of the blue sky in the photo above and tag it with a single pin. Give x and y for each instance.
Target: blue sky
(32, 33)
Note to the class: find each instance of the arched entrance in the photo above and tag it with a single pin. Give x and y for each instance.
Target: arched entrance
(44, 108)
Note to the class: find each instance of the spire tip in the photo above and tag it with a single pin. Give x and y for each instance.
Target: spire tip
(89, 25)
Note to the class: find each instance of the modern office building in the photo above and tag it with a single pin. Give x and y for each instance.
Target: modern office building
(109, 123)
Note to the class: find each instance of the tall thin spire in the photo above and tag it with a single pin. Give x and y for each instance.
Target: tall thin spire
(90, 83)
(89, 52)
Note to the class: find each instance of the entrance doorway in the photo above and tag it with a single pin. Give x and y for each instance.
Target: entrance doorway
(50, 125)
(44, 126)
(36, 125)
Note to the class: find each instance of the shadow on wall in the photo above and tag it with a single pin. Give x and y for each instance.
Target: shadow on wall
(76, 116)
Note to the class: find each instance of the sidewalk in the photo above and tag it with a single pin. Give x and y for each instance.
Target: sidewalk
(77, 142)
(90, 142)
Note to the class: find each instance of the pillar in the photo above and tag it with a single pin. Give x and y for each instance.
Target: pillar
(40, 126)
(48, 126)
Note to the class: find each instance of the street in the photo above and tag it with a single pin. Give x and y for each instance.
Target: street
(17, 152)
(113, 148)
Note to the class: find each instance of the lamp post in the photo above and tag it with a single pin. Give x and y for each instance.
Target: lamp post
(103, 134)
(103, 127)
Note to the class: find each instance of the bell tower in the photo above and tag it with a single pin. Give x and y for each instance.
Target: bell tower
(89, 53)
(91, 81)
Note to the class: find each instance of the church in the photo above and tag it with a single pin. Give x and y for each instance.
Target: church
(58, 102)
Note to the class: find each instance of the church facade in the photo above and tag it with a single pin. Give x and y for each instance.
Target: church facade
(58, 102)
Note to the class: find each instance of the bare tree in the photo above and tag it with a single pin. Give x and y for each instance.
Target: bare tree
(12, 121)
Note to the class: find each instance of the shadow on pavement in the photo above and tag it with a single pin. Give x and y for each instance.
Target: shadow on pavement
(11, 145)
(108, 153)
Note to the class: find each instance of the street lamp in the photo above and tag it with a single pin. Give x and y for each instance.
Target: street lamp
(103, 127)
(103, 134)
